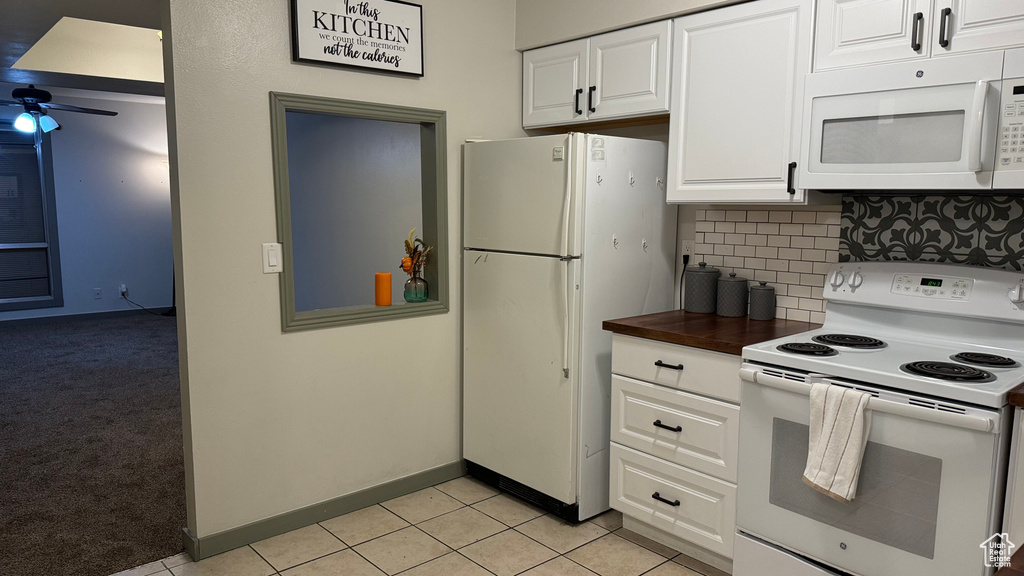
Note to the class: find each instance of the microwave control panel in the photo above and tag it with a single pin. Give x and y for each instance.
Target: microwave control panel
(1011, 126)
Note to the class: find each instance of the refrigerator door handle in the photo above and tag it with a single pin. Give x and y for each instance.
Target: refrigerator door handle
(566, 258)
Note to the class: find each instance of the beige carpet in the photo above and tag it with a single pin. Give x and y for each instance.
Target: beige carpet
(91, 473)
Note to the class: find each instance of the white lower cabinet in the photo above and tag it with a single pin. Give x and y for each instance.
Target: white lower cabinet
(674, 442)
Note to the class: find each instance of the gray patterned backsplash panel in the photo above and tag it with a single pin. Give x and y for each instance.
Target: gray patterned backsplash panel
(979, 230)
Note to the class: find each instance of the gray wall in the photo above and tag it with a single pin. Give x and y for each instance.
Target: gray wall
(112, 190)
(355, 194)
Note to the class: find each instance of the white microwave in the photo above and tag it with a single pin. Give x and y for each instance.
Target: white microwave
(949, 123)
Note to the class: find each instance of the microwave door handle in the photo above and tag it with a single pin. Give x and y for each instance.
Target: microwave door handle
(977, 123)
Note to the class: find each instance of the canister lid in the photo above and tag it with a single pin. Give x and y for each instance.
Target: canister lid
(703, 268)
(732, 278)
(763, 286)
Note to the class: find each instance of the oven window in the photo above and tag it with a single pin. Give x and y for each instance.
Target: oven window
(897, 502)
(894, 139)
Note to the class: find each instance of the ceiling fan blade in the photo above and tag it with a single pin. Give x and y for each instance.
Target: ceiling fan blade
(10, 103)
(69, 108)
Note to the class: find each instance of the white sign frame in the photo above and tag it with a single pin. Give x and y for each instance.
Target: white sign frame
(378, 35)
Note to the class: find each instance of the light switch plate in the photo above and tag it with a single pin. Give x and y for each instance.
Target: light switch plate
(272, 262)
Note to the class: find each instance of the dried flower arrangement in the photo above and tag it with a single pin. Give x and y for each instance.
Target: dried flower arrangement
(416, 255)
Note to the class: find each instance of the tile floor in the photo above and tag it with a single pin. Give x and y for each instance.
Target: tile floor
(459, 528)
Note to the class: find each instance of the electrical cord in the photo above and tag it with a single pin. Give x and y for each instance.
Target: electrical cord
(140, 306)
(682, 277)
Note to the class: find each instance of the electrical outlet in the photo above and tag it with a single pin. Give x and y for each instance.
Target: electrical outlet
(124, 291)
(97, 293)
(686, 249)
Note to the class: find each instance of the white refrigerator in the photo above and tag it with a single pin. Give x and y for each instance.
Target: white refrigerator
(559, 234)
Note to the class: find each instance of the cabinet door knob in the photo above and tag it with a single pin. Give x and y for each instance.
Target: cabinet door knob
(672, 428)
(915, 35)
(590, 99)
(944, 26)
(576, 101)
(661, 364)
(658, 497)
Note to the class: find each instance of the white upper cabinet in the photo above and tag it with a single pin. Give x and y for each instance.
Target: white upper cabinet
(737, 95)
(620, 74)
(858, 32)
(854, 32)
(969, 26)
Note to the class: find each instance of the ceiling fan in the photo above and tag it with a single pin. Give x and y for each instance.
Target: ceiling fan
(36, 102)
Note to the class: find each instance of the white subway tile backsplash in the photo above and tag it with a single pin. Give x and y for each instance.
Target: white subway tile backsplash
(813, 255)
(755, 263)
(802, 242)
(790, 253)
(801, 266)
(815, 230)
(798, 315)
(818, 317)
(790, 249)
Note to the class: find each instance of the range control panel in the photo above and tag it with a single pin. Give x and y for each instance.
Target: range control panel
(937, 287)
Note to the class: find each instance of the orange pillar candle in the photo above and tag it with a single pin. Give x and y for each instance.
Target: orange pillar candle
(382, 288)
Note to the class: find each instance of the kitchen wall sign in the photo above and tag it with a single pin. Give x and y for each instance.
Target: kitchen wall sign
(382, 35)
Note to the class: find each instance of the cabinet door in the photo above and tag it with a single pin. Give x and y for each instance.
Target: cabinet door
(854, 32)
(736, 102)
(972, 26)
(554, 84)
(629, 72)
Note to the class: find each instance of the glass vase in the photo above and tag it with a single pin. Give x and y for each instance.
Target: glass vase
(416, 289)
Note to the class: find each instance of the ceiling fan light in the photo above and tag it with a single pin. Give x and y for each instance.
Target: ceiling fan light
(48, 124)
(25, 122)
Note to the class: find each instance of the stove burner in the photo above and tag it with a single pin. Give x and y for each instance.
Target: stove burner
(981, 359)
(948, 371)
(807, 349)
(850, 340)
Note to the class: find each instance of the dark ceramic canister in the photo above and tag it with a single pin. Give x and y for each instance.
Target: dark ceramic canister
(701, 293)
(762, 302)
(732, 296)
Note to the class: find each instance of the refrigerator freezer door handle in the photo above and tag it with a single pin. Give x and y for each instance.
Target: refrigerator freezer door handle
(565, 253)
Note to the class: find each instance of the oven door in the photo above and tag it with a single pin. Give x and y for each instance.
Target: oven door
(917, 125)
(926, 497)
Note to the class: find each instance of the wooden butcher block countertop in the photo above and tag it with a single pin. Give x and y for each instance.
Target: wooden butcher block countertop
(707, 331)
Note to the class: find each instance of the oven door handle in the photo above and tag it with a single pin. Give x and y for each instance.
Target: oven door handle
(878, 405)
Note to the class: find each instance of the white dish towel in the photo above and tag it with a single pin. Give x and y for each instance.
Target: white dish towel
(840, 424)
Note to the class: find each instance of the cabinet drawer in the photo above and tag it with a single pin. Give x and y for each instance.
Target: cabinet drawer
(705, 508)
(708, 438)
(704, 372)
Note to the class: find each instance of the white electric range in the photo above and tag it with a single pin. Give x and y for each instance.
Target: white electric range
(938, 346)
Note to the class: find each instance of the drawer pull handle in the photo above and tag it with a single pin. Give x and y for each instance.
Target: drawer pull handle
(661, 364)
(658, 497)
(674, 429)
